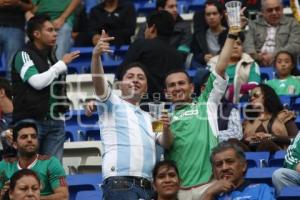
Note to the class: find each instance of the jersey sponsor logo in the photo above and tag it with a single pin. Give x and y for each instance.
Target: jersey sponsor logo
(185, 114)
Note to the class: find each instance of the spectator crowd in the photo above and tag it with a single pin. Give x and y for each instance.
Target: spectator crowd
(213, 115)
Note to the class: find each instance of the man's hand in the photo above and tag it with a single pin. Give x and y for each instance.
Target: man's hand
(69, 57)
(90, 108)
(96, 37)
(9, 136)
(265, 59)
(220, 186)
(58, 23)
(102, 45)
(4, 190)
(166, 120)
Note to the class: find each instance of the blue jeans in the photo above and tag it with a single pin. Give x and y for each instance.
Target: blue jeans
(11, 40)
(116, 188)
(63, 41)
(51, 134)
(284, 177)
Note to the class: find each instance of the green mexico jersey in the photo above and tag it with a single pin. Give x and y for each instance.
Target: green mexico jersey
(49, 170)
(254, 74)
(292, 157)
(195, 130)
(288, 86)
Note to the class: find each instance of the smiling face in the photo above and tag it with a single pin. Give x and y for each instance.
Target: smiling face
(227, 165)
(272, 11)
(27, 188)
(134, 83)
(166, 182)
(212, 16)
(284, 65)
(179, 88)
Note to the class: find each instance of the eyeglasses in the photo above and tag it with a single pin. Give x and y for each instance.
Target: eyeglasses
(276, 9)
(255, 94)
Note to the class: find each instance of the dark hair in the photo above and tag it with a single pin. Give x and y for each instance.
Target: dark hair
(294, 71)
(167, 163)
(178, 70)
(35, 23)
(6, 86)
(132, 65)
(19, 174)
(163, 22)
(271, 102)
(25, 123)
(220, 8)
(161, 3)
(223, 146)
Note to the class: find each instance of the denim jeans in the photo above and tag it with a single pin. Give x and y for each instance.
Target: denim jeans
(284, 177)
(11, 40)
(63, 41)
(51, 134)
(129, 191)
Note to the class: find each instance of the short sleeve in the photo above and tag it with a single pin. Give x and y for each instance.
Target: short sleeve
(56, 174)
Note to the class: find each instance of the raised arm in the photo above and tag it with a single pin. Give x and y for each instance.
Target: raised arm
(97, 68)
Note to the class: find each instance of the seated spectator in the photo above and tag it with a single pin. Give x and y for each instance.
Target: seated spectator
(181, 36)
(242, 70)
(24, 184)
(155, 52)
(49, 169)
(268, 126)
(290, 174)
(285, 82)
(271, 32)
(6, 109)
(116, 17)
(229, 119)
(229, 166)
(210, 33)
(166, 180)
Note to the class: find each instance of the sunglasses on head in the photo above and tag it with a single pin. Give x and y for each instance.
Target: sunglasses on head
(276, 9)
(255, 94)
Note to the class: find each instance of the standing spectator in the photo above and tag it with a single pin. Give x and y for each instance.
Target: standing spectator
(290, 174)
(272, 32)
(6, 110)
(166, 180)
(229, 166)
(194, 125)
(210, 33)
(285, 82)
(155, 52)
(181, 36)
(12, 24)
(36, 95)
(62, 16)
(268, 126)
(126, 131)
(48, 168)
(116, 17)
(24, 184)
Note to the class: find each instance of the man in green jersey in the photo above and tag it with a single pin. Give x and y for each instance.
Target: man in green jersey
(49, 169)
(290, 174)
(194, 124)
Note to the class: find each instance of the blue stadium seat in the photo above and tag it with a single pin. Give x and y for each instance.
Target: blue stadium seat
(89, 195)
(83, 62)
(196, 5)
(297, 121)
(89, 4)
(295, 103)
(289, 193)
(277, 159)
(266, 73)
(145, 7)
(260, 175)
(83, 182)
(285, 100)
(2, 67)
(110, 63)
(254, 159)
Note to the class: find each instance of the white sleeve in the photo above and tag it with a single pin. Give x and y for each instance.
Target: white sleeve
(42, 80)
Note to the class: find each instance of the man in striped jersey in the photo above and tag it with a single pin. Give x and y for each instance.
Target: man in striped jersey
(290, 174)
(194, 125)
(126, 131)
(36, 92)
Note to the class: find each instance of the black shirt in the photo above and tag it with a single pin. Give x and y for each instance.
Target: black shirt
(120, 23)
(159, 57)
